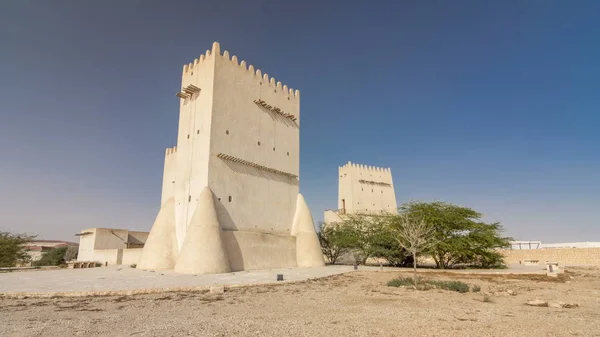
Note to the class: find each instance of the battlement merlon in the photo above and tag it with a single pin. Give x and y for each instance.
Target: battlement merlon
(216, 50)
(365, 167)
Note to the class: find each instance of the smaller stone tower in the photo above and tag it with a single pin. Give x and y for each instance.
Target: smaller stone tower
(363, 189)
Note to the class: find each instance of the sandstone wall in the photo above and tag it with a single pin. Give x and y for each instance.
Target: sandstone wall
(112, 256)
(131, 256)
(564, 256)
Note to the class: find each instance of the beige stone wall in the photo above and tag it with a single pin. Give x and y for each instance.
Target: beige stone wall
(189, 168)
(137, 239)
(112, 256)
(131, 256)
(107, 238)
(169, 174)
(249, 198)
(564, 256)
(331, 216)
(251, 250)
(86, 245)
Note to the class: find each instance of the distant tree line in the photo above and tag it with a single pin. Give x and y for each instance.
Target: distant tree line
(14, 252)
(451, 235)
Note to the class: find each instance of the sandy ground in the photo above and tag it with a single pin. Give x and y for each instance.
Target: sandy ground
(354, 304)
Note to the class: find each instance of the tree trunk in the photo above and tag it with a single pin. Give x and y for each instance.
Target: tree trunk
(415, 267)
(435, 259)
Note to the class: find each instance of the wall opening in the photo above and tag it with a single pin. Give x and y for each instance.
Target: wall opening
(229, 198)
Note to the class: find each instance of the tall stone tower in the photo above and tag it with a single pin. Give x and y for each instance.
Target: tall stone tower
(363, 189)
(230, 196)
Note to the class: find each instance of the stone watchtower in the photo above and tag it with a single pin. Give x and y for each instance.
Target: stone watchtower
(230, 196)
(366, 189)
(363, 189)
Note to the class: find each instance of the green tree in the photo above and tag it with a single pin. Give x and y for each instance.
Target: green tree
(53, 257)
(13, 250)
(385, 246)
(364, 233)
(335, 241)
(460, 235)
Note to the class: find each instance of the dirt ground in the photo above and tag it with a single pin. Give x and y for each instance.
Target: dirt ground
(354, 304)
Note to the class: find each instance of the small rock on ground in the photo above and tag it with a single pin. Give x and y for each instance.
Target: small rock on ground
(537, 303)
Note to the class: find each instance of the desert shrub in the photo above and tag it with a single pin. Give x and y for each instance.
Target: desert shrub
(476, 289)
(401, 282)
(71, 253)
(133, 265)
(53, 257)
(459, 286)
(487, 299)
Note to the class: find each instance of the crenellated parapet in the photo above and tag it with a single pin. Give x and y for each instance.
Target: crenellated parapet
(366, 167)
(257, 74)
(208, 55)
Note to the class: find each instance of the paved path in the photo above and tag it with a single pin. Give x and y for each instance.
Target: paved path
(124, 279)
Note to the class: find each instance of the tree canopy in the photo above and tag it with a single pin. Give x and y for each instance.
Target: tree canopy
(53, 257)
(461, 237)
(12, 249)
(451, 235)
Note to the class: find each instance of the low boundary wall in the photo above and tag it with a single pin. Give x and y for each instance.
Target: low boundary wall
(564, 256)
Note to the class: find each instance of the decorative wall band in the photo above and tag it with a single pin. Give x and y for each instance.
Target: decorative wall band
(260, 167)
(374, 182)
(275, 109)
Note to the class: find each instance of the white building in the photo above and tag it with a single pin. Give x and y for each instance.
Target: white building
(111, 246)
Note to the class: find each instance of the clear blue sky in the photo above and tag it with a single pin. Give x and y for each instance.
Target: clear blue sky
(493, 105)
